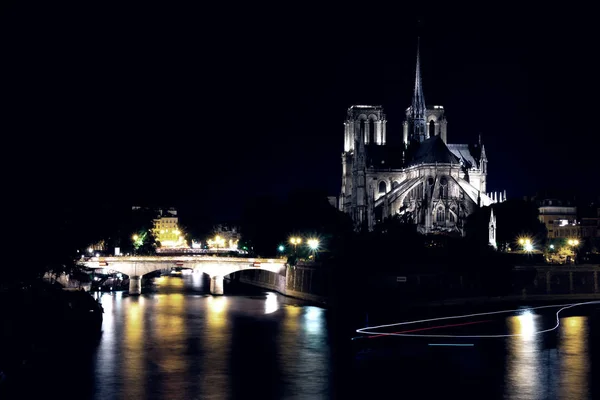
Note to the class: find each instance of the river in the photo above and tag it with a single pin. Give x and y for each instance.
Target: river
(178, 342)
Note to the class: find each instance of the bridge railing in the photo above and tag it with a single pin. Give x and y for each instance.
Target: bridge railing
(182, 258)
(198, 251)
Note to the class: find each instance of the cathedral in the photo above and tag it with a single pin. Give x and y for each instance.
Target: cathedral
(426, 181)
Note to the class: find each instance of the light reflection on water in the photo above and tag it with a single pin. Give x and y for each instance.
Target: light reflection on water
(523, 379)
(538, 370)
(133, 366)
(574, 369)
(271, 303)
(169, 344)
(176, 344)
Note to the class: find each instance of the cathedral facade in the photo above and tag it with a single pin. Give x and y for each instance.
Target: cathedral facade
(427, 181)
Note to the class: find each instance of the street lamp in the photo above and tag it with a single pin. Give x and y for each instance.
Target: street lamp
(295, 241)
(526, 243)
(135, 237)
(313, 244)
(219, 241)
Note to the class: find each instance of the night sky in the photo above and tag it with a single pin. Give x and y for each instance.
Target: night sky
(205, 107)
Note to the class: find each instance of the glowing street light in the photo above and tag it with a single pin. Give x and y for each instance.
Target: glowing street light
(281, 248)
(295, 241)
(313, 244)
(552, 246)
(217, 242)
(526, 243)
(135, 237)
(573, 242)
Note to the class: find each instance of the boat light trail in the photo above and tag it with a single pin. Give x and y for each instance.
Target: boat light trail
(431, 327)
(371, 330)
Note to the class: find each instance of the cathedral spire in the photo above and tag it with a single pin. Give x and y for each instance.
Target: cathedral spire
(417, 109)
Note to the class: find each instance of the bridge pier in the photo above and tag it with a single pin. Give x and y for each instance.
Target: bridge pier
(135, 285)
(216, 285)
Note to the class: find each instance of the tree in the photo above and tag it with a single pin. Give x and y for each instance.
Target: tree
(262, 226)
(195, 224)
(519, 218)
(515, 219)
(268, 222)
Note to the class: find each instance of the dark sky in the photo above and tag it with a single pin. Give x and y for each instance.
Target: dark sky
(209, 106)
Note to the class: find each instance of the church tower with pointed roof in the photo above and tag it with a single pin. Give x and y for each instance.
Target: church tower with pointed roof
(426, 180)
(416, 113)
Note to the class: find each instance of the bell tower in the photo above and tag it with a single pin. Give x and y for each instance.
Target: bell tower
(365, 126)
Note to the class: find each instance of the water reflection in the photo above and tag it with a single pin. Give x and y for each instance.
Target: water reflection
(304, 352)
(133, 367)
(523, 364)
(169, 338)
(314, 319)
(169, 344)
(574, 370)
(215, 381)
(271, 303)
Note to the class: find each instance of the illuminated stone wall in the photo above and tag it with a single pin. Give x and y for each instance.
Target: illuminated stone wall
(303, 281)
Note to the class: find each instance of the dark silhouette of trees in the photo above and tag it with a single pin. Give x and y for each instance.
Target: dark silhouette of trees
(56, 232)
(514, 219)
(195, 223)
(268, 222)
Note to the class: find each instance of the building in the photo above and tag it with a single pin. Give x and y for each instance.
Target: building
(166, 228)
(559, 216)
(224, 237)
(564, 229)
(590, 226)
(426, 180)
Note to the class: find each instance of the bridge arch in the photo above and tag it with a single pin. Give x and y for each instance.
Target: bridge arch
(215, 267)
(216, 273)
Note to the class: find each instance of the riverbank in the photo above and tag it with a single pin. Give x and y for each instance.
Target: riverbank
(39, 321)
(304, 281)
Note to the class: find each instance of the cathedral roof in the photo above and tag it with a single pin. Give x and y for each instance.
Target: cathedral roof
(433, 150)
(384, 156)
(470, 154)
(463, 153)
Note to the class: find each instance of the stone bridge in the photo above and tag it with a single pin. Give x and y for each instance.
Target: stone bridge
(215, 267)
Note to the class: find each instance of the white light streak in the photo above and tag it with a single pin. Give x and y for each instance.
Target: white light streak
(372, 330)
